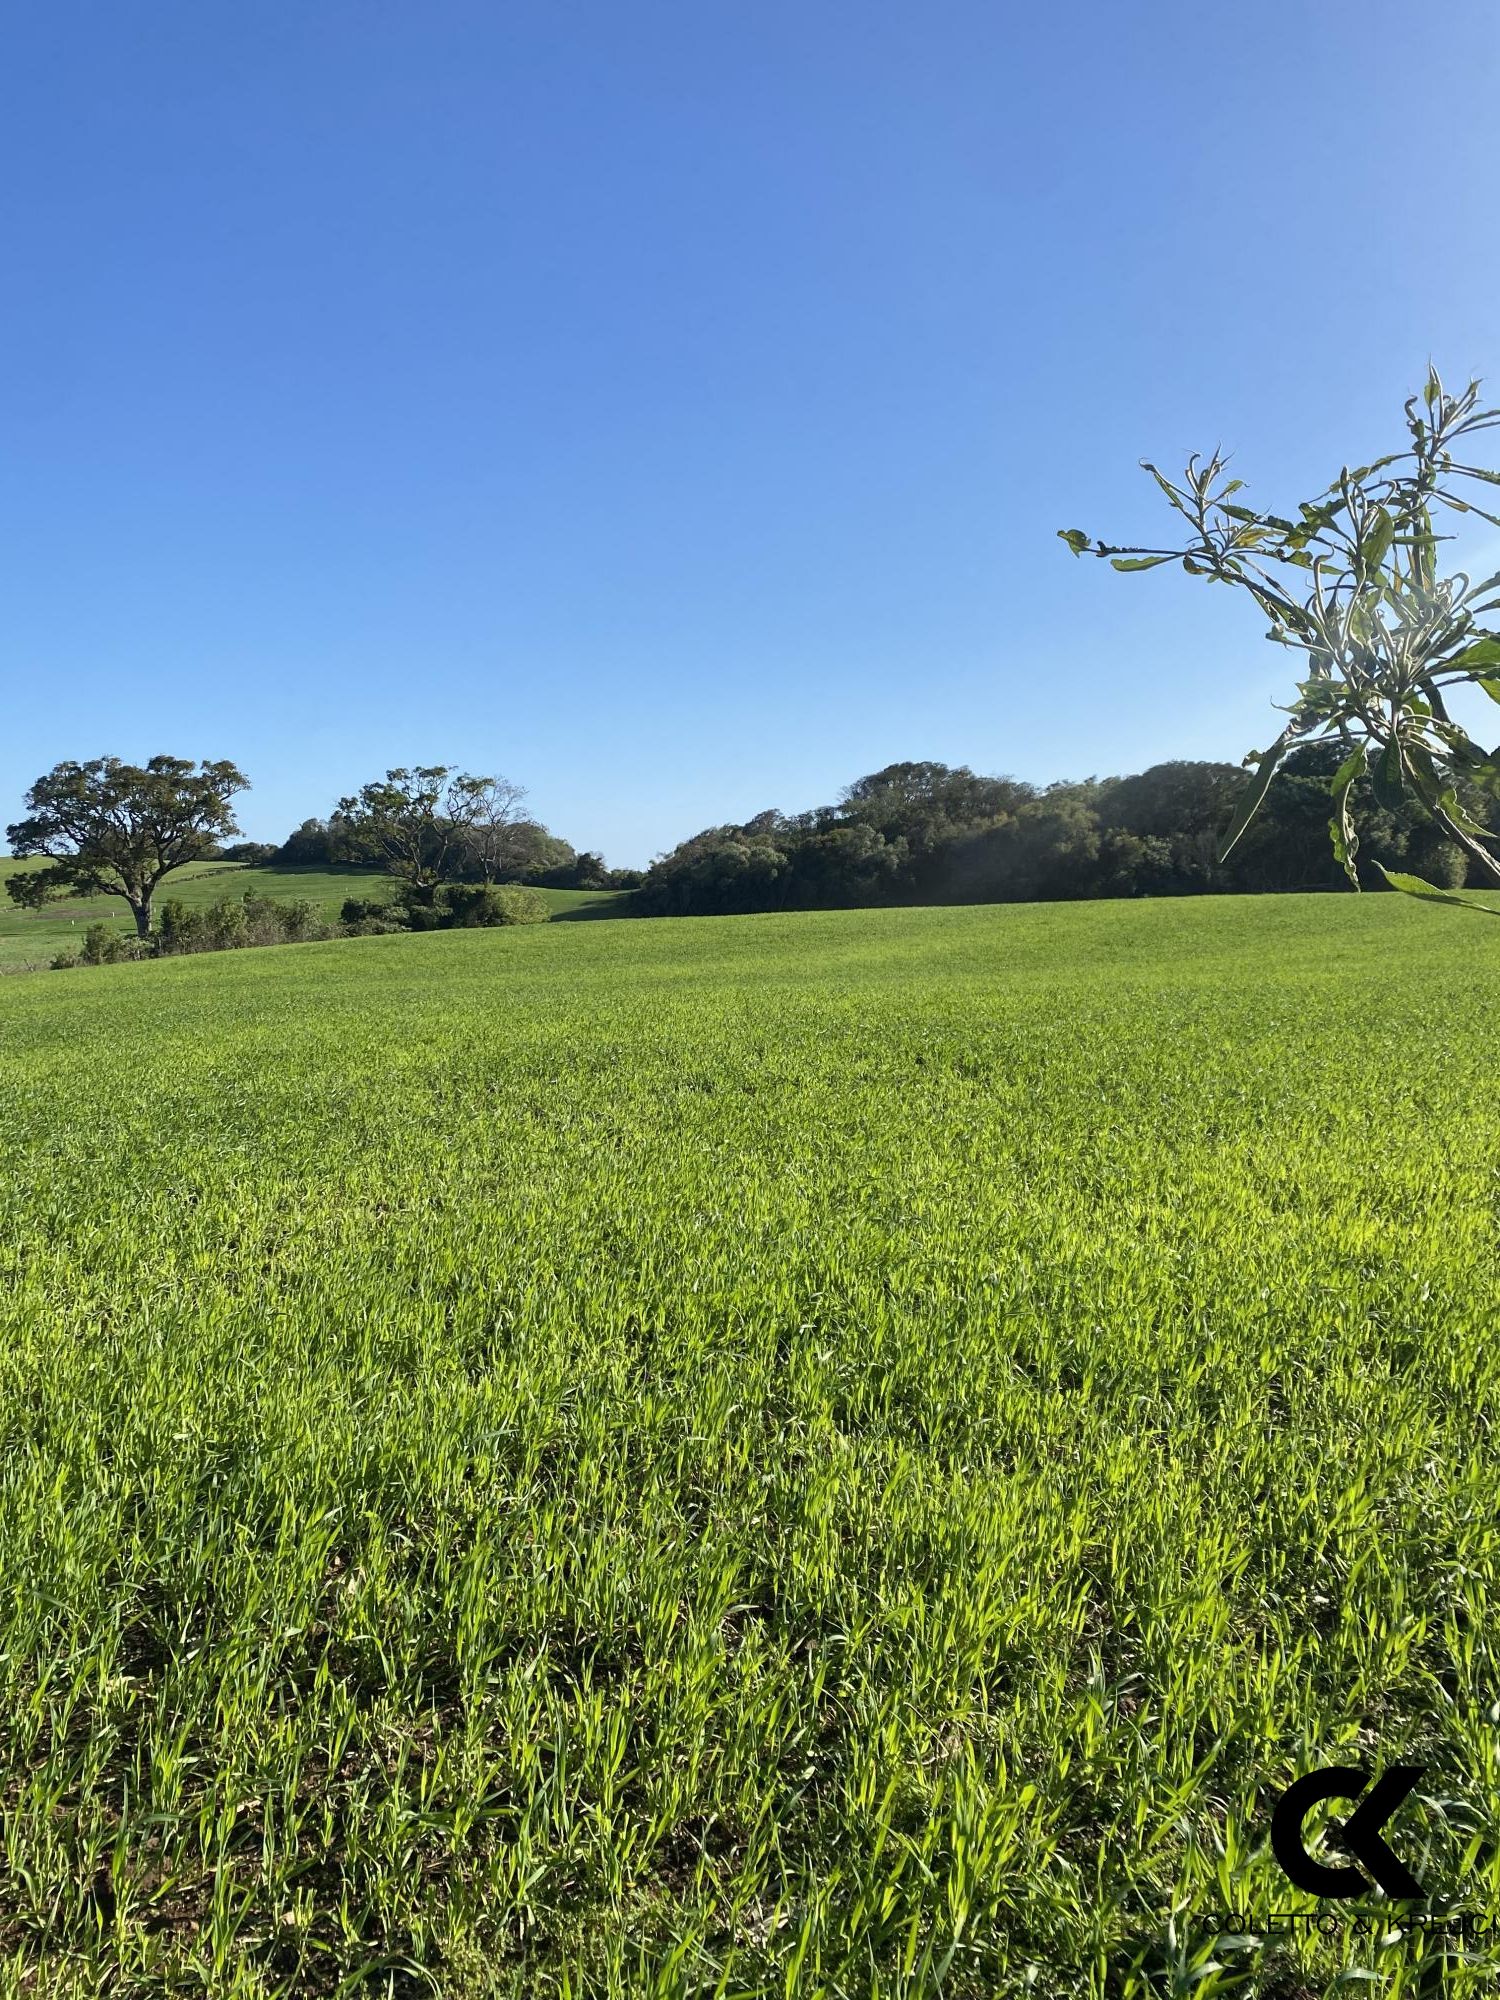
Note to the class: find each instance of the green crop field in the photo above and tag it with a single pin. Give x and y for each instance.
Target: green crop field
(841, 1455)
(31, 939)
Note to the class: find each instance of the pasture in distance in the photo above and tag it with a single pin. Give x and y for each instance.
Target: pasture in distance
(31, 939)
(820, 1455)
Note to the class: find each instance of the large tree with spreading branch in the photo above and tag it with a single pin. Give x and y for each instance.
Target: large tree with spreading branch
(421, 819)
(1353, 583)
(113, 829)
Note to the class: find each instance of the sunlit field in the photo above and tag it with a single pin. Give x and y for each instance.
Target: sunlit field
(31, 939)
(800, 1456)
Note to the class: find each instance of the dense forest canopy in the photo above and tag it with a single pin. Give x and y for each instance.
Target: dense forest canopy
(926, 832)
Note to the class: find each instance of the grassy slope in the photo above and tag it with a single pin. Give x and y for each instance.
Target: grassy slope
(31, 938)
(808, 1441)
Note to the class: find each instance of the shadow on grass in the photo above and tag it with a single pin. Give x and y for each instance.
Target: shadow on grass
(615, 906)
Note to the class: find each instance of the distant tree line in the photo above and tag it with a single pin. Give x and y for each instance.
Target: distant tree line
(458, 851)
(925, 832)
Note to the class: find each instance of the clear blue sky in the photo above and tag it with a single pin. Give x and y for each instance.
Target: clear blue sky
(672, 404)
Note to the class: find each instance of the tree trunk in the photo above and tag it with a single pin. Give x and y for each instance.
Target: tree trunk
(141, 911)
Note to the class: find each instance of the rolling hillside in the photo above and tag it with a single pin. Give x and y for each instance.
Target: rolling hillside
(29, 939)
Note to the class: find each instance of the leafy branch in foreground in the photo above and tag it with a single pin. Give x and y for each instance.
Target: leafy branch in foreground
(1353, 584)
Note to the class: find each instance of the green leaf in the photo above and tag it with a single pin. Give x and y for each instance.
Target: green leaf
(1265, 770)
(1345, 847)
(1413, 885)
(1424, 776)
(1388, 777)
(1165, 484)
(1491, 688)
(1461, 749)
(1341, 827)
(1076, 540)
(1423, 546)
(1139, 562)
(1460, 815)
(1379, 535)
(1316, 519)
(1484, 652)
